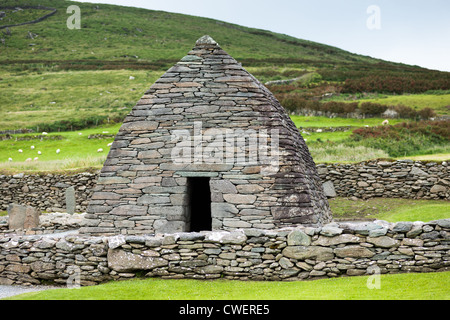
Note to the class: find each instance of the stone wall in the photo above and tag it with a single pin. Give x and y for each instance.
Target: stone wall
(46, 191)
(337, 249)
(399, 179)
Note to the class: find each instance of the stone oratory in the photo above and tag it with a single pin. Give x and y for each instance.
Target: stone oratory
(207, 147)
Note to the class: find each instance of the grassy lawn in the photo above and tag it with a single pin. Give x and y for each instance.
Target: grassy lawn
(390, 209)
(311, 122)
(76, 151)
(427, 286)
(437, 102)
(30, 99)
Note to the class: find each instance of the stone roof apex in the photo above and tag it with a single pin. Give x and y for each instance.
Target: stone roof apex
(206, 40)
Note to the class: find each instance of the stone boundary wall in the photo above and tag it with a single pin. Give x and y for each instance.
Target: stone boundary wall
(399, 179)
(46, 191)
(337, 249)
(53, 11)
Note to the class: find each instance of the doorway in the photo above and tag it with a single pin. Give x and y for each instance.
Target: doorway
(199, 204)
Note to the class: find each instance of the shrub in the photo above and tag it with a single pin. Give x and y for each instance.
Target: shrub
(405, 111)
(372, 108)
(403, 139)
(426, 113)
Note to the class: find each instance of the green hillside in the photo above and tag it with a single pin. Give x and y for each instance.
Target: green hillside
(54, 78)
(116, 33)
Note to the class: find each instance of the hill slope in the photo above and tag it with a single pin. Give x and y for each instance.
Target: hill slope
(76, 78)
(113, 33)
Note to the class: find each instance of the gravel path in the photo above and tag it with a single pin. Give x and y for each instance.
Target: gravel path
(9, 291)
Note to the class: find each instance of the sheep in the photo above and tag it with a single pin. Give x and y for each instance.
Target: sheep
(28, 160)
(39, 152)
(110, 144)
(32, 147)
(385, 122)
(10, 159)
(100, 150)
(20, 150)
(58, 151)
(36, 159)
(44, 133)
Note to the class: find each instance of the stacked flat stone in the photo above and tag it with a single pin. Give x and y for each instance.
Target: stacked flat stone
(291, 254)
(141, 190)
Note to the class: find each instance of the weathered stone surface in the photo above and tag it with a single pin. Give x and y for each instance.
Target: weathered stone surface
(23, 217)
(234, 237)
(70, 200)
(239, 198)
(353, 251)
(438, 189)
(402, 227)
(248, 255)
(329, 189)
(308, 252)
(298, 238)
(340, 239)
(330, 231)
(383, 242)
(122, 261)
(16, 214)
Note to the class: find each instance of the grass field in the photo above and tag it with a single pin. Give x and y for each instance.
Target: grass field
(439, 102)
(28, 100)
(76, 151)
(429, 286)
(390, 209)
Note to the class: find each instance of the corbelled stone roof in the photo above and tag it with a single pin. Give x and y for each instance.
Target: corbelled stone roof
(142, 187)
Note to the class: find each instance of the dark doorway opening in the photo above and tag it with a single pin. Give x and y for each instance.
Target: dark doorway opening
(199, 204)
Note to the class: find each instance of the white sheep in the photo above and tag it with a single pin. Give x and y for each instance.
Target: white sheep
(385, 122)
(110, 144)
(132, 78)
(36, 159)
(80, 133)
(32, 147)
(20, 150)
(58, 151)
(28, 160)
(10, 159)
(100, 150)
(39, 152)
(44, 133)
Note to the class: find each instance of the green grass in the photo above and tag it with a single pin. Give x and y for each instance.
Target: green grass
(76, 151)
(332, 153)
(424, 212)
(438, 102)
(30, 99)
(314, 122)
(390, 209)
(112, 32)
(427, 286)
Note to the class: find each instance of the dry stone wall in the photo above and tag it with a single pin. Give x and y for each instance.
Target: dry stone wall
(336, 249)
(402, 179)
(47, 192)
(399, 179)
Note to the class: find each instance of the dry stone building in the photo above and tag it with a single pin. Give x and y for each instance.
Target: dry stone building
(207, 147)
